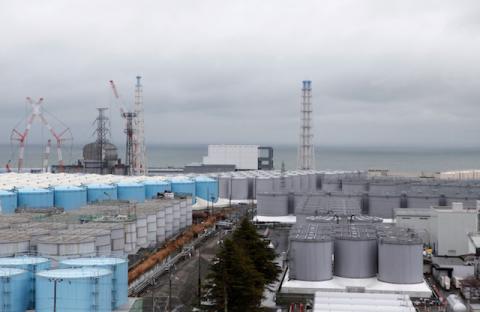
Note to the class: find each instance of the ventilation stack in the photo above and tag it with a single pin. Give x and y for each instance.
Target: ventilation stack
(306, 151)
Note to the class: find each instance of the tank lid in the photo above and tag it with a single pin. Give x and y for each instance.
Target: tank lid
(129, 184)
(6, 272)
(204, 179)
(100, 186)
(156, 182)
(311, 232)
(93, 261)
(75, 273)
(68, 188)
(22, 260)
(33, 190)
(353, 232)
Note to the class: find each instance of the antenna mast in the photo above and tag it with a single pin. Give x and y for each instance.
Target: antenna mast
(306, 151)
(139, 162)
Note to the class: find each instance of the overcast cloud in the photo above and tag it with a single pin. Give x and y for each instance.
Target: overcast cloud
(383, 72)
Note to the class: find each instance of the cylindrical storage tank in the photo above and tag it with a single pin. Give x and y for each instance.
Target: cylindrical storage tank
(101, 192)
(155, 187)
(169, 221)
(82, 289)
(224, 186)
(189, 214)
(350, 187)
(142, 231)
(239, 188)
(134, 192)
(400, 260)
(456, 304)
(66, 246)
(69, 197)
(355, 252)
(13, 243)
(161, 225)
(34, 198)
(119, 268)
(310, 255)
(183, 186)
(272, 204)
(183, 214)
(176, 218)
(8, 202)
(264, 185)
(32, 265)
(15, 290)
(382, 206)
(130, 237)
(152, 228)
(206, 188)
(103, 242)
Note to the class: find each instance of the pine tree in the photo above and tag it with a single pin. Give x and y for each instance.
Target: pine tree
(257, 249)
(233, 281)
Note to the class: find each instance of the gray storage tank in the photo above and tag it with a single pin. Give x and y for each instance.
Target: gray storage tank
(224, 183)
(310, 253)
(239, 188)
(400, 259)
(272, 204)
(355, 252)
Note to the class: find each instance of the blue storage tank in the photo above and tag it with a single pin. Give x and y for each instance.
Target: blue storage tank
(13, 290)
(82, 289)
(70, 197)
(206, 188)
(131, 191)
(119, 268)
(101, 192)
(152, 187)
(8, 202)
(183, 186)
(34, 198)
(30, 264)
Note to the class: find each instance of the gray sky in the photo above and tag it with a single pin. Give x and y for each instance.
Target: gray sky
(217, 71)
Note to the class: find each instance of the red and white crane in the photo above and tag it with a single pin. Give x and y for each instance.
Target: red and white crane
(21, 136)
(135, 156)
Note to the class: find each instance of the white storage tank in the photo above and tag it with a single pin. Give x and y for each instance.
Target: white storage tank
(264, 185)
(103, 244)
(183, 214)
(141, 226)
(13, 243)
(355, 252)
(59, 246)
(15, 290)
(130, 237)
(310, 254)
(272, 204)
(176, 218)
(161, 224)
(169, 221)
(32, 265)
(224, 186)
(119, 268)
(239, 188)
(81, 289)
(400, 259)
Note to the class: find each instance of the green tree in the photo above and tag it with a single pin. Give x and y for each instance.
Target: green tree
(233, 281)
(257, 249)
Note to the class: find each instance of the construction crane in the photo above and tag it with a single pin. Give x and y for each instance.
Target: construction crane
(21, 136)
(135, 158)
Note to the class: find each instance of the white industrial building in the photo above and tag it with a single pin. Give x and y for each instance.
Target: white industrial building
(446, 229)
(244, 157)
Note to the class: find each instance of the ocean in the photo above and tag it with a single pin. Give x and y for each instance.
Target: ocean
(401, 159)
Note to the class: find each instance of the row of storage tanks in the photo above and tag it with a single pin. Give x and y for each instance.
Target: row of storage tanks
(82, 284)
(355, 248)
(71, 197)
(110, 230)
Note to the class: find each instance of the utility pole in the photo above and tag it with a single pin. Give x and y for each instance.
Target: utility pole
(55, 282)
(199, 279)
